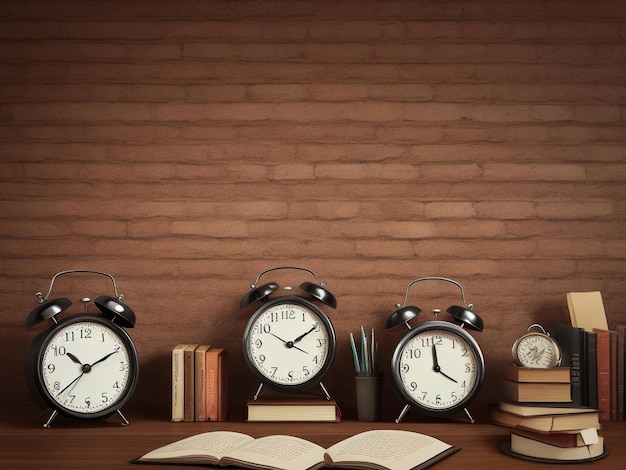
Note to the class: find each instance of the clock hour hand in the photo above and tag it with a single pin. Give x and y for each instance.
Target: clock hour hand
(73, 358)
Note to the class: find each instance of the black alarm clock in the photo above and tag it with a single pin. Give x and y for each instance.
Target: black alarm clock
(289, 342)
(84, 366)
(437, 368)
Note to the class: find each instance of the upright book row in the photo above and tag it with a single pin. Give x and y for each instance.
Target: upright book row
(199, 383)
(596, 359)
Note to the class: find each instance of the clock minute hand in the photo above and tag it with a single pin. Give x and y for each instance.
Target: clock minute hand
(436, 366)
(289, 344)
(304, 334)
(103, 358)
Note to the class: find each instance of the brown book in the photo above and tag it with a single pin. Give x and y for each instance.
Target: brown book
(530, 392)
(621, 376)
(200, 382)
(189, 389)
(529, 374)
(613, 346)
(410, 450)
(603, 350)
(575, 438)
(178, 383)
(540, 450)
(293, 409)
(216, 393)
(578, 418)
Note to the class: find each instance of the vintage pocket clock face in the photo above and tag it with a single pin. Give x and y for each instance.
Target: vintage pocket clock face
(437, 368)
(289, 342)
(536, 349)
(84, 366)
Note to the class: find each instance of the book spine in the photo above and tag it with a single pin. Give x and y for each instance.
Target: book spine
(604, 374)
(591, 365)
(177, 384)
(572, 342)
(189, 388)
(200, 384)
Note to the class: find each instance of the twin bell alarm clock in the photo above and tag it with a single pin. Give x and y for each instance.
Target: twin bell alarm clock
(437, 367)
(84, 366)
(289, 341)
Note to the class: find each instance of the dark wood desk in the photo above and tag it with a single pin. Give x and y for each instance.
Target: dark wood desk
(24, 444)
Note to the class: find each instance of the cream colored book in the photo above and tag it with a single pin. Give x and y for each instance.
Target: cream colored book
(586, 310)
(378, 449)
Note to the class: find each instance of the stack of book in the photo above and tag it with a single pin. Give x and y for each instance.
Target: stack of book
(545, 424)
(199, 383)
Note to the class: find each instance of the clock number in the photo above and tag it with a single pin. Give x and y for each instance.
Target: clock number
(262, 358)
(414, 353)
(59, 350)
(57, 386)
(51, 368)
(321, 342)
(258, 343)
(69, 336)
(116, 385)
(413, 386)
(88, 401)
(123, 366)
(405, 367)
(105, 398)
(85, 333)
(306, 371)
(453, 397)
(274, 370)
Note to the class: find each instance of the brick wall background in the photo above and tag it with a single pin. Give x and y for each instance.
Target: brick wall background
(184, 147)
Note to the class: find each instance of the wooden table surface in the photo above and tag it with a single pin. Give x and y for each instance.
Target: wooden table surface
(25, 444)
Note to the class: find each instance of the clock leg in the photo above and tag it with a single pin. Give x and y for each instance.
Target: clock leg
(469, 415)
(326, 394)
(258, 391)
(402, 413)
(48, 423)
(123, 418)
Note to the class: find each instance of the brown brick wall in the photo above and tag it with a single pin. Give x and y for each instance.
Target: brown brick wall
(186, 146)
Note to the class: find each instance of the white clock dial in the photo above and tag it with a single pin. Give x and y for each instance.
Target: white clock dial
(288, 343)
(86, 367)
(537, 350)
(439, 369)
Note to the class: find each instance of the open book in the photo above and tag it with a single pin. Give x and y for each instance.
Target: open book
(378, 449)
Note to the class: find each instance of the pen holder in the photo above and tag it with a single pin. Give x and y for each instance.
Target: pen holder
(369, 391)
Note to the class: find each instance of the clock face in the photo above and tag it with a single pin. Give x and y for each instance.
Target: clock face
(438, 368)
(87, 367)
(289, 342)
(536, 350)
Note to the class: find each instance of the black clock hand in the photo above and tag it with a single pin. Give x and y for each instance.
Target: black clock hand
(304, 334)
(103, 359)
(71, 383)
(73, 358)
(436, 366)
(289, 344)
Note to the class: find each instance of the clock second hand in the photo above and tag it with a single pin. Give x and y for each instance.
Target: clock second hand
(289, 344)
(436, 366)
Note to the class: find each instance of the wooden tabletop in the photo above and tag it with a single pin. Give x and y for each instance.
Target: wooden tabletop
(68, 444)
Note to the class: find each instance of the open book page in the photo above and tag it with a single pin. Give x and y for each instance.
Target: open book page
(206, 448)
(386, 449)
(277, 453)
